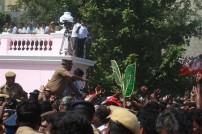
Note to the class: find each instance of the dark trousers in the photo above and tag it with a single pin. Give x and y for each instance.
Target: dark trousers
(70, 48)
(81, 47)
(88, 47)
(74, 41)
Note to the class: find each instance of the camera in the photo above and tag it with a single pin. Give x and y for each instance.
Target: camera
(67, 24)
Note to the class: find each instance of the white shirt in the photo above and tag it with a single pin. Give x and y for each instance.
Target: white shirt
(30, 30)
(83, 32)
(14, 30)
(22, 30)
(74, 33)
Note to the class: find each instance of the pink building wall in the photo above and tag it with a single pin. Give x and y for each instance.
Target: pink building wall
(31, 76)
(34, 68)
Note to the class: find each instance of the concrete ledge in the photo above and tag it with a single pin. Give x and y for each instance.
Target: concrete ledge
(43, 59)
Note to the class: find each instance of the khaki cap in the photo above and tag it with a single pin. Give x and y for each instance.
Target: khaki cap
(10, 74)
(126, 118)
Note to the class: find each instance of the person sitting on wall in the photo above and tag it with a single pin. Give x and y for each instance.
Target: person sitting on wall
(11, 89)
(62, 79)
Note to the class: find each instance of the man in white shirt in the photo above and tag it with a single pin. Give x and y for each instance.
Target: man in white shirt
(83, 32)
(74, 38)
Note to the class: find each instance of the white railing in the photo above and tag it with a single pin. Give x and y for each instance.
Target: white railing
(26, 44)
(30, 45)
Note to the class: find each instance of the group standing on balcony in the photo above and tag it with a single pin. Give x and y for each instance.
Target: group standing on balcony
(29, 29)
(79, 35)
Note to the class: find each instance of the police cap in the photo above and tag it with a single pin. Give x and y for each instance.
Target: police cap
(10, 74)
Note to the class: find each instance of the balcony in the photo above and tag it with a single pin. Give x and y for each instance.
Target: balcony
(34, 58)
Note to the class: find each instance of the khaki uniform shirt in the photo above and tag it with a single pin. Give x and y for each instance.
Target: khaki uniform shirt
(59, 82)
(15, 91)
(26, 130)
(96, 131)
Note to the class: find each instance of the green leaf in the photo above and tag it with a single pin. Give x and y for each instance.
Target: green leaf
(116, 73)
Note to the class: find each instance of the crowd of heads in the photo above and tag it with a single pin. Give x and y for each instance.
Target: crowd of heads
(96, 113)
(29, 28)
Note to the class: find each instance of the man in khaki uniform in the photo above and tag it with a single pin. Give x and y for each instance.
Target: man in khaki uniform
(11, 89)
(62, 79)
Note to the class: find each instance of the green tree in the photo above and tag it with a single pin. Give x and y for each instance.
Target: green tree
(150, 32)
(46, 10)
(4, 18)
(138, 30)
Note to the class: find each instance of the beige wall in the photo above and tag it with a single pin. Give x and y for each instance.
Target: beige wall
(4, 8)
(9, 2)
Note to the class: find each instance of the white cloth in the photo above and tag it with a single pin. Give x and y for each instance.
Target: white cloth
(74, 30)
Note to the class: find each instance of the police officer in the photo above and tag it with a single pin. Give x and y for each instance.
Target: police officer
(62, 79)
(11, 89)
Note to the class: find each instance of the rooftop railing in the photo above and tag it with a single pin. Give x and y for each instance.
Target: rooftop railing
(31, 44)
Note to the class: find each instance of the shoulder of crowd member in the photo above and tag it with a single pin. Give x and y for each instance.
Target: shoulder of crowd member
(2, 86)
(19, 87)
(175, 121)
(148, 115)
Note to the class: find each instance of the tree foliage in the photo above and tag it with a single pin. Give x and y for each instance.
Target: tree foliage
(46, 10)
(4, 18)
(139, 30)
(129, 31)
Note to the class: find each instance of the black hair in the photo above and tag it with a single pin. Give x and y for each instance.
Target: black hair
(55, 104)
(34, 95)
(78, 72)
(55, 117)
(44, 118)
(175, 121)
(118, 128)
(45, 106)
(85, 108)
(148, 116)
(69, 123)
(28, 113)
(102, 112)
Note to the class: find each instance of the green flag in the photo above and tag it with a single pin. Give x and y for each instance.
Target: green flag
(129, 80)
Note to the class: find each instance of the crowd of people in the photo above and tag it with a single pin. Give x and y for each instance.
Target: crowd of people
(12, 28)
(78, 34)
(63, 107)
